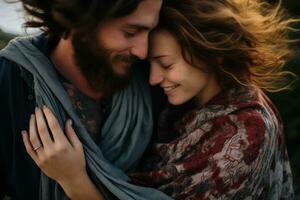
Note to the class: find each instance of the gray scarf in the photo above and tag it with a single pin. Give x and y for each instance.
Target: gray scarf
(124, 137)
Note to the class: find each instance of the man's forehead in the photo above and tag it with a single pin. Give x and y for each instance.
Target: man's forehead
(145, 16)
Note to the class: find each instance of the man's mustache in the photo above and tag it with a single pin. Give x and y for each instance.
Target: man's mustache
(125, 58)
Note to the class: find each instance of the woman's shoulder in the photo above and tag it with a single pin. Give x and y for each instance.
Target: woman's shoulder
(247, 116)
(249, 106)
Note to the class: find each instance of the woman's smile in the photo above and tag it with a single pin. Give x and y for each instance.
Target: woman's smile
(168, 89)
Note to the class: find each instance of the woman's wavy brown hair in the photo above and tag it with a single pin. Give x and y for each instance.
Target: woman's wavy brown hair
(242, 41)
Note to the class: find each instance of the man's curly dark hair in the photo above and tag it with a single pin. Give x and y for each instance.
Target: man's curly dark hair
(56, 17)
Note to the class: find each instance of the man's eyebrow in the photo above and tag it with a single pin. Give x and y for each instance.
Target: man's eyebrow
(139, 26)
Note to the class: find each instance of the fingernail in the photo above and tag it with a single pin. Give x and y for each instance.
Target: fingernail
(44, 107)
(70, 122)
(23, 132)
(32, 115)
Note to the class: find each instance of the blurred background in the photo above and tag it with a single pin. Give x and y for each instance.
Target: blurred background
(288, 103)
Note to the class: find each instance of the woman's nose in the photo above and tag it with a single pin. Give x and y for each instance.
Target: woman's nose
(156, 74)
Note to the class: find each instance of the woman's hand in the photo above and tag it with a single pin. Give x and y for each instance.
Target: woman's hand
(59, 157)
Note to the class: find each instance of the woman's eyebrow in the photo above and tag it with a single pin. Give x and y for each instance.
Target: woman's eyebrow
(160, 56)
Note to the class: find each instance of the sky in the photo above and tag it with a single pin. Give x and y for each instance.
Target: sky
(11, 17)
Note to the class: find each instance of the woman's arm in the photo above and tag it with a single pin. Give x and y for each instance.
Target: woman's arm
(59, 157)
(81, 188)
(225, 158)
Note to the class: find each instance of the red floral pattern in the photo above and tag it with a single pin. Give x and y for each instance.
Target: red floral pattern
(231, 148)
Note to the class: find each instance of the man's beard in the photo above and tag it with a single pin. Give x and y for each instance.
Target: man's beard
(94, 62)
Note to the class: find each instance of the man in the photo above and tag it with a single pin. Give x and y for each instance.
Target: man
(82, 68)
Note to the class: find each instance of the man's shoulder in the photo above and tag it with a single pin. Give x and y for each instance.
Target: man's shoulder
(13, 77)
(9, 70)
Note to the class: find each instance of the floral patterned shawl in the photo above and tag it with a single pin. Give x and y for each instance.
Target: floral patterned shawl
(231, 148)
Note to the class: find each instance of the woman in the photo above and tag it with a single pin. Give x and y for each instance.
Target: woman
(220, 137)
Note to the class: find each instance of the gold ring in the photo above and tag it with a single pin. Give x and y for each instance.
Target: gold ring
(36, 148)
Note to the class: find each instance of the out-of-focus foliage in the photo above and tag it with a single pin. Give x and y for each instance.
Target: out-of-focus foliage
(4, 38)
(288, 103)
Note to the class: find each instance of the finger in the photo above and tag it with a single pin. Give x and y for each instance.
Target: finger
(42, 128)
(28, 146)
(33, 135)
(74, 140)
(57, 133)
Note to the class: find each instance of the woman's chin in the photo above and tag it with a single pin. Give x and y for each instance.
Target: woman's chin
(176, 101)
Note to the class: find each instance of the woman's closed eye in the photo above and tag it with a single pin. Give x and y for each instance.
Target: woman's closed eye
(166, 63)
(167, 66)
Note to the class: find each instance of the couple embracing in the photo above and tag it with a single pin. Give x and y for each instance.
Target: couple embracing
(80, 121)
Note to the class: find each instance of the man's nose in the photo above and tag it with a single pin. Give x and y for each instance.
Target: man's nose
(140, 48)
(156, 74)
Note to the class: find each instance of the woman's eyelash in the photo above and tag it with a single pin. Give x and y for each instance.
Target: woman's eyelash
(167, 66)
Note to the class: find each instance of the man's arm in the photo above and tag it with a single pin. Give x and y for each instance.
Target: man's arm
(224, 161)
(1, 180)
(16, 104)
(2, 170)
